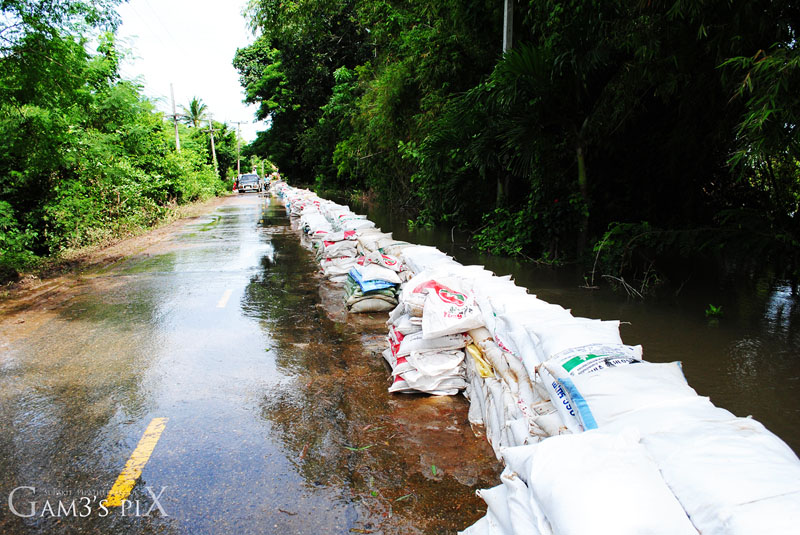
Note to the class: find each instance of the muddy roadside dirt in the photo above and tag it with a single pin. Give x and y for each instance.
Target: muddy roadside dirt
(36, 294)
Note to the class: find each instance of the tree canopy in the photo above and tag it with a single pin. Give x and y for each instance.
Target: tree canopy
(84, 157)
(653, 128)
(195, 113)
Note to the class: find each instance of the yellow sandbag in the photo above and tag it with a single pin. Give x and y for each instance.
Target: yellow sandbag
(484, 368)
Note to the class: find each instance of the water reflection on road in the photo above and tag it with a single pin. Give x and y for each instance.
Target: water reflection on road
(279, 418)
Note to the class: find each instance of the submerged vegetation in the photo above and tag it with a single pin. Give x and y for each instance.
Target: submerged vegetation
(626, 134)
(84, 156)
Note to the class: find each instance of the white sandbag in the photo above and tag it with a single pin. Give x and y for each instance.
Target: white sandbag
(356, 224)
(437, 363)
(509, 510)
(415, 342)
(479, 362)
(780, 514)
(598, 483)
(668, 416)
(385, 243)
(519, 432)
(414, 289)
(483, 526)
(591, 358)
(385, 260)
(396, 249)
(561, 401)
(338, 236)
(526, 515)
(474, 393)
(378, 272)
(442, 385)
(551, 423)
(509, 369)
(557, 335)
(389, 357)
(369, 240)
(338, 249)
(401, 365)
(421, 258)
(337, 266)
(415, 310)
(363, 233)
(405, 325)
(498, 517)
(448, 310)
(399, 385)
(500, 410)
(513, 338)
(395, 315)
(600, 397)
(721, 470)
(494, 415)
(528, 308)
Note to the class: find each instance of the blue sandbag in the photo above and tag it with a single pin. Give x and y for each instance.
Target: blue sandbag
(369, 285)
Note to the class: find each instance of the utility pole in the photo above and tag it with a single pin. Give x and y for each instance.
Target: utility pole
(238, 159)
(213, 148)
(508, 24)
(175, 119)
(508, 34)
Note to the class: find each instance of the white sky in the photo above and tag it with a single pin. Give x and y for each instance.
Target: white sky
(191, 44)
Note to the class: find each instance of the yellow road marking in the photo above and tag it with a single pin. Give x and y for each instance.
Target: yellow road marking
(133, 468)
(224, 300)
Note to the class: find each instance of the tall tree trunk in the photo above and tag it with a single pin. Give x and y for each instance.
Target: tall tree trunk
(501, 194)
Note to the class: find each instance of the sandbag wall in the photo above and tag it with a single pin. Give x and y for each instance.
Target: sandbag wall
(594, 438)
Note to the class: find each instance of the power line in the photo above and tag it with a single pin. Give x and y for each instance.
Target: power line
(167, 31)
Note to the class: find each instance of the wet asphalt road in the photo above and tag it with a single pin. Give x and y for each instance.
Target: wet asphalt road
(278, 415)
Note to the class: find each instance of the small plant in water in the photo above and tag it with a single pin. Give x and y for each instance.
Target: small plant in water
(714, 312)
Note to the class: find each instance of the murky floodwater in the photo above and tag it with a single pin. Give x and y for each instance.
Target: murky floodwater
(748, 361)
(279, 417)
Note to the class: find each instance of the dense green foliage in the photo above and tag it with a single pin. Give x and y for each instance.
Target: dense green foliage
(607, 117)
(83, 155)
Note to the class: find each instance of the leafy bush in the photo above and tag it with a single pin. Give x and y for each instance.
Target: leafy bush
(84, 157)
(504, 232)
(15, 254)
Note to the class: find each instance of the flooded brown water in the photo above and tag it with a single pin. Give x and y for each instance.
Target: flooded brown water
(747, 361)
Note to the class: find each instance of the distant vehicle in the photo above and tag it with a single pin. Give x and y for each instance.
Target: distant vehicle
(250, 182)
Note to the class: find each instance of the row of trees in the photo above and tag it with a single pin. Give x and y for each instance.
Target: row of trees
(643, 129)
(84, 157)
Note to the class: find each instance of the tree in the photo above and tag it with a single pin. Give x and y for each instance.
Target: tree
(84, 157)
(288, 72)
(196, 113)
(673, 119)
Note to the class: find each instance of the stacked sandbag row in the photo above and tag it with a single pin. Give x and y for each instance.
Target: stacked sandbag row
(594, 438)
(670, 461)
(372, 284)
(428, 334)
(347, 247)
